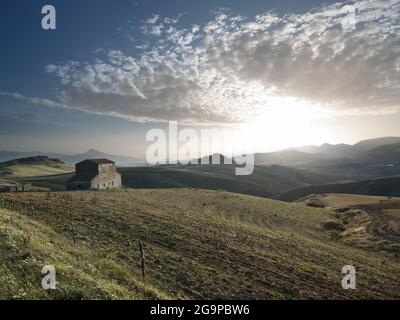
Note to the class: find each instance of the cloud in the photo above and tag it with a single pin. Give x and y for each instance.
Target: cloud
(231, 68)
(40, 101)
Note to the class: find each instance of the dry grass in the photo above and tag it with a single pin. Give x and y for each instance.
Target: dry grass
(214, 244)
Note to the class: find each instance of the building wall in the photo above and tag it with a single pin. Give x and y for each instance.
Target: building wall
(108, 178)
(86, 167)
(105, 176)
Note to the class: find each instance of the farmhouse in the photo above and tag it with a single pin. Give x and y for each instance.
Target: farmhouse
(95, 174)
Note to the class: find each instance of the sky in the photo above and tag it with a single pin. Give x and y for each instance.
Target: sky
(280, 73)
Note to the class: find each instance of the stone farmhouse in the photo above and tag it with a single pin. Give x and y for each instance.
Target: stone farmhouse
(95, 174)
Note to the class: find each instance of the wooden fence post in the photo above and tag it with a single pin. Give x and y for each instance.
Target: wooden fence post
(32, 209)
(141, 257)
(72, 228)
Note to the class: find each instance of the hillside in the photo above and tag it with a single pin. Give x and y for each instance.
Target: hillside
(386, 153)
(33, 166)
(378, 187)
(26, 246)
(353, 169)
(264, 181)
(369, 222)
(73, 158)
(223, 246)
(370, 144)
(286, 157)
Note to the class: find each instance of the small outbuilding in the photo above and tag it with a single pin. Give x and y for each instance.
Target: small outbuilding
(95, 174)
(15, 187)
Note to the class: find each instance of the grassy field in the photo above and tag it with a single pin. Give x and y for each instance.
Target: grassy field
(26, 246)
(197, 243)
(33, 167)
(37, 170)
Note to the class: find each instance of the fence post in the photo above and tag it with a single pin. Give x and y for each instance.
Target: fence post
(141, 257)
(72, 228)
(32, 209)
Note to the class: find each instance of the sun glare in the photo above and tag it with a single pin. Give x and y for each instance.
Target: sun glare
(288, 123)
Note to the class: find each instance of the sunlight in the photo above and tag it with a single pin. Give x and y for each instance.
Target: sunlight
(287, 123)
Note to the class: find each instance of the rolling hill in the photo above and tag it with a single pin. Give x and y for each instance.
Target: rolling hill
(378, 187)
(387, 153)
(287, 157)
(33, 166)
(26, 246)
(198, 244)
(265, 181)
(74, 158)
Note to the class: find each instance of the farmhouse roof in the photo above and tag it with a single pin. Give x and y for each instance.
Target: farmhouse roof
(99, 161)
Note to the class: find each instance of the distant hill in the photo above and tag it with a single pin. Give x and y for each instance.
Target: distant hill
(266, 181)
(32, 167)
(370, 144)
(287, 157)
(347, 150)
(37, 160)
(332, 150)
(386, 153)
(72, 159)
(376, 187)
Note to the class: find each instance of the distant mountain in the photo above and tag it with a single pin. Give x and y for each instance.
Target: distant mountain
(72, 159)
(333, 150)
(370, 144)
(287, 157)
(387, 153)
(349, 151)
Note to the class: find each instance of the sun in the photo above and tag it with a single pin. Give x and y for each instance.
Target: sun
(288, 122)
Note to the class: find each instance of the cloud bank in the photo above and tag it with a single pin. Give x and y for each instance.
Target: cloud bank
(231, 68)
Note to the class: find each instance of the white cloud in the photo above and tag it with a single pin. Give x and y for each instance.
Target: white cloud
(232, 67)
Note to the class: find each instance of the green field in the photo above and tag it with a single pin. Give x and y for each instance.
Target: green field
(37, 170)
(33, 167)
(197, 243)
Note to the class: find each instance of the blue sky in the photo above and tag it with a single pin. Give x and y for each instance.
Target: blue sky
(102, 37)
